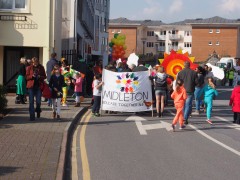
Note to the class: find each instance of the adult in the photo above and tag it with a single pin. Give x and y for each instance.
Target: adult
(140, 67)
(129, 68)
(198, 89)
(21, 81)
(35, 75)
(189, 78)
(160, 80)
(97, 69)
(230, 76)
(50, 65)
(89, 80)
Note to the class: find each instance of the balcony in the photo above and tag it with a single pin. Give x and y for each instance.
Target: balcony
(161, 48)
(161, 38)
(175, 48)
(175, 37)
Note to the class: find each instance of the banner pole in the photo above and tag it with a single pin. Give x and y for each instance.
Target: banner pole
(102, 93)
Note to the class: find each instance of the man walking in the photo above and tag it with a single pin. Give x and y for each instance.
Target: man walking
(50, 65)
(190, 79)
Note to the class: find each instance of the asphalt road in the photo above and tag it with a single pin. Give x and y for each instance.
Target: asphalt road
(127, 146)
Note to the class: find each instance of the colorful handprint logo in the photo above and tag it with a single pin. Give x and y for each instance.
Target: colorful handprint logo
(127, 82)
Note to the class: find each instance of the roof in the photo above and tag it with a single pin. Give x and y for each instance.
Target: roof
(125, 21)
(212, 20)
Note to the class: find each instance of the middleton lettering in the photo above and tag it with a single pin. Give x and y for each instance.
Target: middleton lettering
(125, 97)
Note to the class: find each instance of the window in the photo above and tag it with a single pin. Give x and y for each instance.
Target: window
(163, 33)
(113, 31)
(217, 30)
(119, 31)
(217, 43)
(210, 31)
(187, 44)
(161, 43)
(150, 33)
(187, 33)
(210, 43)
(150, 44)
(17, 5)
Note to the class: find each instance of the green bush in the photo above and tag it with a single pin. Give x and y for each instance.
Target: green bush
(3, 99)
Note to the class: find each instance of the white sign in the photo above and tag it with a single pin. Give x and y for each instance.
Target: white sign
(126, 91)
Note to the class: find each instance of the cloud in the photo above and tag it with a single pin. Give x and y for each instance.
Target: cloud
(229, 5)
(176, 6)
(153, 8)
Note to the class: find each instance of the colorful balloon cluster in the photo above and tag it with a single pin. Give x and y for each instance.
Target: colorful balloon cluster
(117, 46)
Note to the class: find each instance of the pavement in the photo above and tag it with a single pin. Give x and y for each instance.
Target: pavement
(36, 149)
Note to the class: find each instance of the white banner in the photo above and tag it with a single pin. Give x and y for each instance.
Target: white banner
(126, 91)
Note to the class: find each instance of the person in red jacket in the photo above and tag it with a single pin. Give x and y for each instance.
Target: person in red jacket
(35, 76)
(179, 96)
(235, 103)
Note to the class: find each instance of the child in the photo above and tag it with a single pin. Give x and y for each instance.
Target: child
(235, 103)
(97, 88)
(56, 83)
(179, 95)
(209, 92)
(78, 88)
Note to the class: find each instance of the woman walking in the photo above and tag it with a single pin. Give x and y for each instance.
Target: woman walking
(21, 82)
(35, 75)
(179, 96)
(160, 81)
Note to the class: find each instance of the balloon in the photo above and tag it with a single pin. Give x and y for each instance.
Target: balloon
(121, 48)
(111, 44)
(124, 47)
(116, 35)
(112, 40)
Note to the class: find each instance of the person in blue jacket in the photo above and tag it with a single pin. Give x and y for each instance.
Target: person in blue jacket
(209, 92)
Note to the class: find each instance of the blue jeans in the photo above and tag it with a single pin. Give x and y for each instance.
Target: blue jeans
(188, 106)
(38, 94)
(197, 98)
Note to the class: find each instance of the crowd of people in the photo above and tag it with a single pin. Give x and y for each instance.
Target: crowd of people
(190, 85)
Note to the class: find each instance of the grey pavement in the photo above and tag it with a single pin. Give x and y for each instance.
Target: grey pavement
(32, 149)
(117, 150)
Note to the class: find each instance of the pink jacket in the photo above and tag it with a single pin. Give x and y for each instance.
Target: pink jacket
(78, 85)
(235, 99)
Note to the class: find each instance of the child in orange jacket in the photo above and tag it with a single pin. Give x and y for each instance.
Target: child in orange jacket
(179, 96)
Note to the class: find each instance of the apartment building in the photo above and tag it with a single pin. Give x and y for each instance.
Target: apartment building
(199, 37)
(78, 29)
(215, 34)
(100, 48)
(152, 37)
(85, 29)
(28, 28)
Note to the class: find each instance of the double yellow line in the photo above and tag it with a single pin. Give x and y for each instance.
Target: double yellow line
(85, 165)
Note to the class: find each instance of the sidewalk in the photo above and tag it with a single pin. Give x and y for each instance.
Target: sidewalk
(32, 149)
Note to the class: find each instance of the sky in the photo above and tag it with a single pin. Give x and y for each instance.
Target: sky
(169, 11)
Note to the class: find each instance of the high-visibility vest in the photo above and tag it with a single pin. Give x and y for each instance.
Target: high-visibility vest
(231, 74)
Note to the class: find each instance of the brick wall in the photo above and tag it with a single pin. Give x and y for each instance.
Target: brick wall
(131, 37)
(201, 37)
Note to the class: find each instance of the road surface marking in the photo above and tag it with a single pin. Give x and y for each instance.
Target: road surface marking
(143, 128)
(84, 157)
(234, 126)
(215, 141)
(212, 139)
(74, 151)
(74, 155)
